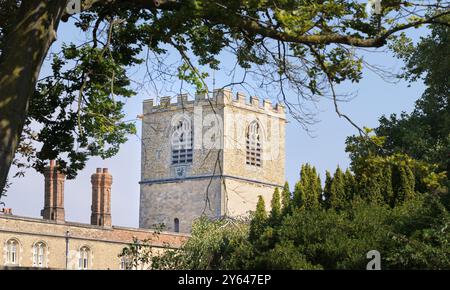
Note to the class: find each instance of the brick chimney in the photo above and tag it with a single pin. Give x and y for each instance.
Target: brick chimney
(7, 211)
(101, 198)
(54, 194)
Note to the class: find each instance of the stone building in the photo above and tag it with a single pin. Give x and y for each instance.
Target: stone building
(208, 156)
(54, 243)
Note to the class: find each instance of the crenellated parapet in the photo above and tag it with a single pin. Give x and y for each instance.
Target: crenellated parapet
(222, 97)
(228, 147)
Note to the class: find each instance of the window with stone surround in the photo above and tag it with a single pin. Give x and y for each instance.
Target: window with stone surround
(176, 225)
(12, 252)
(84, 258)
(39, 254)
(125, 263)
(182, 142)
(253, 144)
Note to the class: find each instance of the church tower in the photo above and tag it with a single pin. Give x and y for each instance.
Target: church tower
(210, 156)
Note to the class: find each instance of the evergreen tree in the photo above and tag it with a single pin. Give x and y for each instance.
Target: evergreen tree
(259, 220)
(395, 178)
(327, 189)
(297, 196)
(370, 190)
(404, 184)
(275, 212)
(317, 186)
(300, 187)
(388, 191)
(349, 184)
(337, 191)
(308, 190)
(286, 198)
(424, 133)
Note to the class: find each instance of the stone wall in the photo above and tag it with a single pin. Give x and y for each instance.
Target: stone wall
(104, 244)
(241, 196)
(156, 140)
(185, 200)
(237, 119)
(218, 166)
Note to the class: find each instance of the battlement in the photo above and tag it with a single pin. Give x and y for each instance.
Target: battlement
(219, 97)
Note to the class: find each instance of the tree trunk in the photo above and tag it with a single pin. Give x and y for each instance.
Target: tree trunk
(24, 51)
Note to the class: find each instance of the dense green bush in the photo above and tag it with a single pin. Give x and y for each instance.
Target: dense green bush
(414, 235)
(393, 199)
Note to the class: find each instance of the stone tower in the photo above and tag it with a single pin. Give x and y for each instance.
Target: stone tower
(101, 198)
(212, 155)
(54, 194)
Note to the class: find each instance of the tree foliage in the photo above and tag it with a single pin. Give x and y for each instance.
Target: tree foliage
(259, 220)
(308, 190)
(275, 207)
(424, 134)
(293, 44)
(286, 198)
(393, 199)
(218, 244)
(387, 204)
(338, 194)
(412, 235)
(99, 85)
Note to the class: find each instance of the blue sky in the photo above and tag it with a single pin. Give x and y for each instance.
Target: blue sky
(374, 97)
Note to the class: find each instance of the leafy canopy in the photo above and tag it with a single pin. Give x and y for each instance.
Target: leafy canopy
(301, 46)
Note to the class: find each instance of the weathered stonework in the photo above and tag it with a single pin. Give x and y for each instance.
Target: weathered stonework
(185, 202)
(64, 241)
(218, 175)
(55, 243)
(218, 181)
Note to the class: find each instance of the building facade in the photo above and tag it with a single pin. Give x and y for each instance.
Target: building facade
(40, 243)
(54, 243)
(212, 156)
(208, 156)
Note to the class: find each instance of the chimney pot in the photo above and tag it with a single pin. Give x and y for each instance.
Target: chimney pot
(99, 170)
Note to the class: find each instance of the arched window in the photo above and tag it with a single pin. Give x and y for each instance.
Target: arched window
(12, 252)
(39, 252)
(182, 142)
(176, 225)
(253, 144)
(125, 263)
(84, 261)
